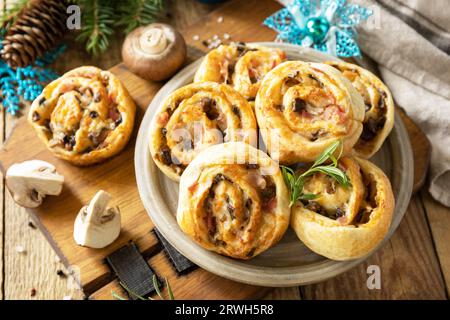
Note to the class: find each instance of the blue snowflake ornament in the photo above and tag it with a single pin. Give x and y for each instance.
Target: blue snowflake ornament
(25, 83)
(325, 25)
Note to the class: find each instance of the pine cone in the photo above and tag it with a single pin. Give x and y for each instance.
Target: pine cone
(38, 28)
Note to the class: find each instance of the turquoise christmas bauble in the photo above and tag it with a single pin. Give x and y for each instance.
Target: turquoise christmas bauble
(317, 28)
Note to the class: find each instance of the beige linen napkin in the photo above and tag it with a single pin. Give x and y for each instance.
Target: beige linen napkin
(410, 41)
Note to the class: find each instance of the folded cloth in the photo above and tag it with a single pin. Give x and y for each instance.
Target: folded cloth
(410, 41)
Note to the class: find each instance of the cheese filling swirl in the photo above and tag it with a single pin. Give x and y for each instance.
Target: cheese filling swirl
(195, 117)
(241, 66)
(307, 106)
(237, 209)
(345, 222)
(85, 116)
(379, 107)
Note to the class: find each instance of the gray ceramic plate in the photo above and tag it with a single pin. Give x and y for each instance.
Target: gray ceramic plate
(289, 263)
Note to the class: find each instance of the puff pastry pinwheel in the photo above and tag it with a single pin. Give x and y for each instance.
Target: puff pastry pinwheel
(345, 223)
(240, 66)
(195, 117)
(85, 116)
(379, 107)
(233, 201)
(302, 108)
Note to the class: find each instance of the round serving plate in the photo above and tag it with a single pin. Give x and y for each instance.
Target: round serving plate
(290, 262)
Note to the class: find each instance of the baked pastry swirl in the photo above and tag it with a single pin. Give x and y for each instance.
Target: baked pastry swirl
(345, 223)
(379, 107)
(195, 117)
(302, 108)
(85, 116)
(233, 201)
(240, 66)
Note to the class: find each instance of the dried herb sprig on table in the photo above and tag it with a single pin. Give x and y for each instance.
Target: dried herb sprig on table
(297, 182)
(155, 285)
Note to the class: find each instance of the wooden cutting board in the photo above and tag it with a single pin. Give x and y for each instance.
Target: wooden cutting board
(242, 20)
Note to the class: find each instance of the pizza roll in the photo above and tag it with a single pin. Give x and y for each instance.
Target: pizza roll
(302, 108)
(85, 116)
(379, 107)
(195, 117)
(233, 201)
(240, 66)
(345, 223)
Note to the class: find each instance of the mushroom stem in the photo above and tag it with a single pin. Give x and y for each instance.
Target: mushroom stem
(97, 206)
(97, 225)
(153, 41)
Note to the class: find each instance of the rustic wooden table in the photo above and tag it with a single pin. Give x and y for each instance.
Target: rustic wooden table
(414, 264)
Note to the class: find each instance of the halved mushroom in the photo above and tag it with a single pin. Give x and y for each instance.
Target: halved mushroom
(97, 225)
(30, 181)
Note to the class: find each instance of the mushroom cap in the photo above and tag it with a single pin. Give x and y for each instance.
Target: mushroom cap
(154, 52)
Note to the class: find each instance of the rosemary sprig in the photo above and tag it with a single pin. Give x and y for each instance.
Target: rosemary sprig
(155, 285)
(117, 296)
(169, 291)
(296, 183)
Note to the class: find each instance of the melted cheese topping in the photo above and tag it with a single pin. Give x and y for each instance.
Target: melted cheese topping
(332, 195)
(336, 201)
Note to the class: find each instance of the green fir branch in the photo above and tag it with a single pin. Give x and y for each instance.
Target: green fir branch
(136, 13)
(10, 15)
(101, 17)
(98, 18)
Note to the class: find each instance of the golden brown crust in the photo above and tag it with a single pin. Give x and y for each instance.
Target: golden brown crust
(302, 108)
(85, 116)
(379, 106)
(346, 224)
(243, 67)
(233, 201)
(195, 117)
